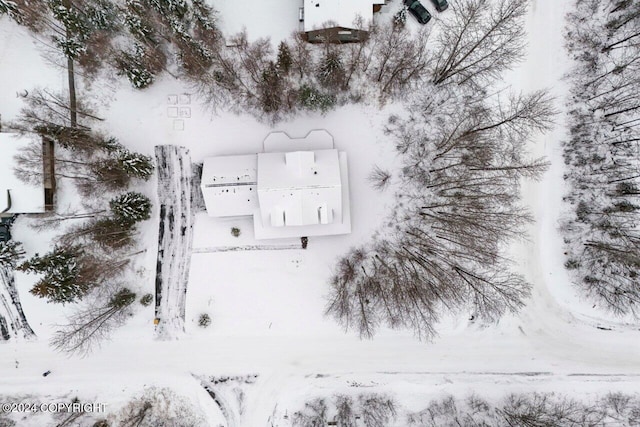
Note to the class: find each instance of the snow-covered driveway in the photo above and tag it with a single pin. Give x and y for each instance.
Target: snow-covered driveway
(174, 239)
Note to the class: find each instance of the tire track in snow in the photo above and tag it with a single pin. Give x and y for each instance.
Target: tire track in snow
(175, 238)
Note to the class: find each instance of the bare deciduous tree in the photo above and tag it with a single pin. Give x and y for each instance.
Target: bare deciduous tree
(481, 40)
(458, 206)
(93, 324)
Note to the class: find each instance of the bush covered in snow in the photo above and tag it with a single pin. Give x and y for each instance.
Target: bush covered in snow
(374, 410)
(146, 300)
(159, 407)
(204, 320)
(601, 231)
(524, 410)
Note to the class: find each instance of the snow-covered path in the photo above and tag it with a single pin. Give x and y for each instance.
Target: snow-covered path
(175, 238)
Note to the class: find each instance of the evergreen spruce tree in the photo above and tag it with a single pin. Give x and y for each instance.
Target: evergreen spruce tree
(284, 60)
(62, 281)
(135, 165)
(271, 89)
(331, 72)
(77, 31)
(131, 207)
(11, 253)
(311, 98)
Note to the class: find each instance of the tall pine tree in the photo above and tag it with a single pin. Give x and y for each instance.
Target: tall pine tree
(62, 281)
(131, 207)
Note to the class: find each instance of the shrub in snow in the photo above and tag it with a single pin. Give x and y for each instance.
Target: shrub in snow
(159, 407)
(375, 410)
(146, 300)
(11, 253)
(312, 99)
(6, 422)
(235, 231)
(139, 77)
(204, 320)
(400, 18)
(534, 409)
(313, 414)
(379, 178)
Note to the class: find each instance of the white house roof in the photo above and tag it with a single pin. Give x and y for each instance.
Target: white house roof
(302, 191)
(229, 170)
(300, 188)
(229, 185)
(25, 198)
(336, 200)
(343, 13)
(299, 169)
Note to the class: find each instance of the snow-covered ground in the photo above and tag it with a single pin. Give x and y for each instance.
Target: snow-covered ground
(267, 306)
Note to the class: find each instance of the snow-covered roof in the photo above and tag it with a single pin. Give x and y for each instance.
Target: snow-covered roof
(281, 142)
(25, 198)
(323, 211)
(299, 169)
(343, 13)
(299, 188)
(229, 185)
(301, 192)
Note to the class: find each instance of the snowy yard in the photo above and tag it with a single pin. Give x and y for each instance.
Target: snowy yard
(267, 299)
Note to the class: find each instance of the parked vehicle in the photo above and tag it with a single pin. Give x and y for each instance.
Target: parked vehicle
(418, 10)
(440, 5)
